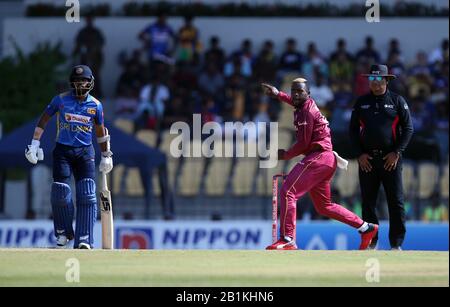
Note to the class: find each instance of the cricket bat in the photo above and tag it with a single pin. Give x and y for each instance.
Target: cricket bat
(106, 215)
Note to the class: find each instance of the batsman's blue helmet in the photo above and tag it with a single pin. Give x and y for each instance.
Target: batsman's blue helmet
(81, 71)
(81, 80)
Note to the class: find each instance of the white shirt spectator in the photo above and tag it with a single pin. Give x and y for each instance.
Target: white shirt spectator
(157, 106)
(437, 55)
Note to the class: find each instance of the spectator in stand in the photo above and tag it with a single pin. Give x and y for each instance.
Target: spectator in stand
(423, 115)
(245, 56)
(341, 68)
(126, 102)
(340, 119)
(179, 108)
(88, 51)
(159, 39)
(210, 111)
(420, 66)
(340, 112)
(189, 46)
(396, 63)
(153, 98)
(321, 93)
(127, 90)
(237, 80)
(420, 80)
(184, 76)
(343, 94)
(439, 54)
(394, 47)
(397, 68)
(341, 71)
(265, 67)
(424, 145)
(314, 62)
(361, 86)
(341, 49)
(135, 73)
(291, 60)
(368, 53)
(235, 90)
(234, 66)
(440, 91)
(211, 82)
(136, 59)
(215, 53)
(430, 111)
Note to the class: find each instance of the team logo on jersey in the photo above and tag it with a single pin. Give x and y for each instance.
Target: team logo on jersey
(366, 106)
(75, 118)
(92, 111)
(389, 106)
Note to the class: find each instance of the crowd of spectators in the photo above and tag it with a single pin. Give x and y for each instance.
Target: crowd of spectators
(173, 76)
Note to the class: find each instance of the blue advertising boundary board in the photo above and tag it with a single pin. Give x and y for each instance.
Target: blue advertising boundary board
(225, 234)
(334, 235)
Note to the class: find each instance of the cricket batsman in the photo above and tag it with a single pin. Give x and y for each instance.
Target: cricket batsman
(314, 173)
(78, 114)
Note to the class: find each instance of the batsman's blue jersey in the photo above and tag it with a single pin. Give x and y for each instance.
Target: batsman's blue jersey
(75, 119)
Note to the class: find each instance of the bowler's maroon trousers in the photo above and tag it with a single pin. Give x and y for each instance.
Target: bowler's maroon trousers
(314, 173)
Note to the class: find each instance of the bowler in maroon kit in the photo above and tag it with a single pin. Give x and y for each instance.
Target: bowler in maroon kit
(314, 173)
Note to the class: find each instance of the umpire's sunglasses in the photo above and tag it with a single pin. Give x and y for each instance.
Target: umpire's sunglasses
(375, 78)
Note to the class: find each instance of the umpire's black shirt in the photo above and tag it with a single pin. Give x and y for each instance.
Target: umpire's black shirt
(380, 123)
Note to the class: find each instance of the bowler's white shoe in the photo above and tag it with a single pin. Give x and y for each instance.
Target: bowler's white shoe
(61, 241)
(84, 246)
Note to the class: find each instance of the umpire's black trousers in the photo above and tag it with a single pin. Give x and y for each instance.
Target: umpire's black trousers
(392, 182)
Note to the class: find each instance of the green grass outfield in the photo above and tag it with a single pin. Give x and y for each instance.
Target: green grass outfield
(47, 267)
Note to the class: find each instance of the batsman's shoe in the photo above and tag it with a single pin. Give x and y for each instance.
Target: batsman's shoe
(84, 246)
(283, 244)
(367, 236)
(61, 241)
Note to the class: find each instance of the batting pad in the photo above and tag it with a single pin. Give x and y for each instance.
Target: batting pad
(63, 210)
(86, 212)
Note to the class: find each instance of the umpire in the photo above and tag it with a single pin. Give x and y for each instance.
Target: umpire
(380, 130)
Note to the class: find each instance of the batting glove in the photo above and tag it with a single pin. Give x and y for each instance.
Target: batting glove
(33, 153)
(106, 163)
